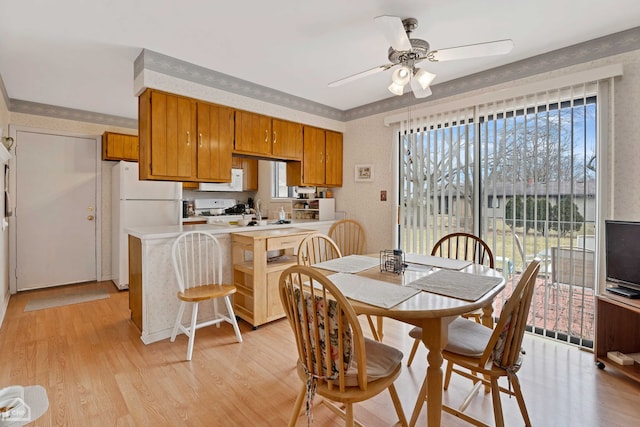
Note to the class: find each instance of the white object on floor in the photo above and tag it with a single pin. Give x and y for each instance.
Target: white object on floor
(22, 405)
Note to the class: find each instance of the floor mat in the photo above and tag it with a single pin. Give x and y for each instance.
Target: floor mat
(60, 300)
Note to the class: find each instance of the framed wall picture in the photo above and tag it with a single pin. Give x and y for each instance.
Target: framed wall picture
(364, 173)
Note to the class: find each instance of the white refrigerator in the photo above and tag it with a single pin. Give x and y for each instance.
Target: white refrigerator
(138, 203)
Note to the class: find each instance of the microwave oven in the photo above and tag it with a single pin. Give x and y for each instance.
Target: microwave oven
(234, 185)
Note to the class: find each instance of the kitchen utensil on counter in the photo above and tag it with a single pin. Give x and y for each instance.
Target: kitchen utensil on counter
(239, 208)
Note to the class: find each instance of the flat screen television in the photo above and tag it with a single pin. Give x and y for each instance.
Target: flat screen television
(622, 244)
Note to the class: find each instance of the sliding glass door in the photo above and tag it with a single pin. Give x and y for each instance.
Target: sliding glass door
(521, 174)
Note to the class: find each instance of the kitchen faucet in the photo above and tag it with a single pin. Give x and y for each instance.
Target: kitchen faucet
(257, 210)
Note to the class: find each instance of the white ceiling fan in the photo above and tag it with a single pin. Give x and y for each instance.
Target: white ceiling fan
(407, 56)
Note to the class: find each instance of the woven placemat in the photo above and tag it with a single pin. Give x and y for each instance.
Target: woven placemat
(455, 284)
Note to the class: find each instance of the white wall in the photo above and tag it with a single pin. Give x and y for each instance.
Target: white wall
(4, 234)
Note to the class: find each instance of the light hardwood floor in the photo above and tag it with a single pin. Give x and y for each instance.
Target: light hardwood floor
(97, 372)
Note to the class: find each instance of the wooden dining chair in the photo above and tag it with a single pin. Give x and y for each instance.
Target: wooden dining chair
(463, 246)
(485, 355)
(197, 262)
(319, 247)
(351, 238)
(316, 248)
(335, 360)
(349, 235)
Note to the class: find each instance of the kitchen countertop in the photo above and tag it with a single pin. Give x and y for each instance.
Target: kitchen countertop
(169, 231)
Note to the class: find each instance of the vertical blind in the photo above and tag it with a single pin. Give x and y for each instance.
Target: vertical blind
(437, 155)
(521, 174)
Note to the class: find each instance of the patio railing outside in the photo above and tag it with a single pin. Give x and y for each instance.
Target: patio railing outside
(563, 305)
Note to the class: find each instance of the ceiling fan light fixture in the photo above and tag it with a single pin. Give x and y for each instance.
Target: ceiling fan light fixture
(396, 89)
(401, 75)
(424, 78)
(399, 80)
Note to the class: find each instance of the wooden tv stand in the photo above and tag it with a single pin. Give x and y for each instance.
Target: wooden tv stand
(617, 329)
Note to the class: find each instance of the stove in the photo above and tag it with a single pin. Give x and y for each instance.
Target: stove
(205, 205)
(218, 211)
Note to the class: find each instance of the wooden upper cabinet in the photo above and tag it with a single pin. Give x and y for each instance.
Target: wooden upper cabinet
(168, 140)
(215, 142)
(313, 158)
(333, 159)
(253, 133)
(249, 172)
(321, 160)
(182, 139)
(118, 146)
(286, 139)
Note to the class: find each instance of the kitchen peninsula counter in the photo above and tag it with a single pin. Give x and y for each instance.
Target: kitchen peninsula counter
(152, 286)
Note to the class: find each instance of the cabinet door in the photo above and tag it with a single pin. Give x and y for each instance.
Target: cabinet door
(313, 161)
(249, 172)
(117, 146)
(250, 175)
(215, 142)
(167, 137)
(333, 159)
(253, 133)
(274, 309)
(286, 139)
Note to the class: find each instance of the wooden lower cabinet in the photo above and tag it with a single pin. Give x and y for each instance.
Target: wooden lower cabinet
(135, 281)
(259, 257)
(617, 329)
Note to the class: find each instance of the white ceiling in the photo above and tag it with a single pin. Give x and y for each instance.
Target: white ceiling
(79, 54)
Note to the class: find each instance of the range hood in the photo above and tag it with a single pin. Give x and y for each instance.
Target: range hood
(234, 185)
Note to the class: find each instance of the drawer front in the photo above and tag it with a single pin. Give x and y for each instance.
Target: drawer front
(284, 242)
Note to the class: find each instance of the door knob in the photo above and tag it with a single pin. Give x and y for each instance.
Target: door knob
(90, 217)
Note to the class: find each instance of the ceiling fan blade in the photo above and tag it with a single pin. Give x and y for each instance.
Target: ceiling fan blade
(418, 91)
(361, 75)
(393, 30)
(498, 47)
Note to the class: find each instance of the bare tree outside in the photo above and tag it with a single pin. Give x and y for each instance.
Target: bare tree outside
(526, 172)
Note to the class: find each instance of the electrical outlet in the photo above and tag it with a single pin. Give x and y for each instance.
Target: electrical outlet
(383, 195)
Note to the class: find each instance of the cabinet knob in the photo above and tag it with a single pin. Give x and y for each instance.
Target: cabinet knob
(188, 138)
(274, 137)
(90, 218)
(200, 135)
(266, 135)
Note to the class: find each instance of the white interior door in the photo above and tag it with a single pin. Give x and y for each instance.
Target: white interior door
(55, 210)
